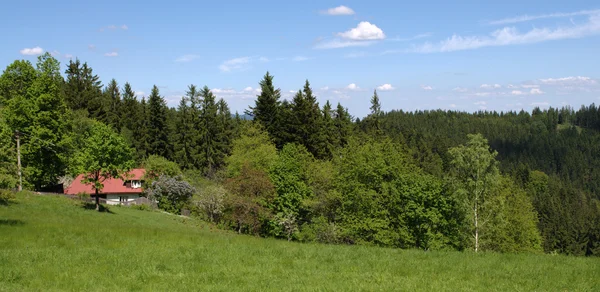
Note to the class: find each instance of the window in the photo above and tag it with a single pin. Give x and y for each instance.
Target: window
(123, 199)
(136, 184)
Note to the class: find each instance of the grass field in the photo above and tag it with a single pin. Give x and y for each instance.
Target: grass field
(54, 244)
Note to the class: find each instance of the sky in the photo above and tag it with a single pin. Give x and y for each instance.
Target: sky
(466, 56)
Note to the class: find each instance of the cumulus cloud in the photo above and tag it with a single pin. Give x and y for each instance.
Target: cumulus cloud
(352, 86)
(111, 54)
(517, 92)
(512, 36)
(230, 93)
(426, 87)
(340, 10)
(385, 87)
(31, 51)
(187, 58)
(524, 18)
(362, 32)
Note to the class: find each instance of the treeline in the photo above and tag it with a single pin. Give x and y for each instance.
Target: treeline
(505, 182)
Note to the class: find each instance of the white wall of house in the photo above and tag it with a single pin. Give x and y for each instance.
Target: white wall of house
(116, 199)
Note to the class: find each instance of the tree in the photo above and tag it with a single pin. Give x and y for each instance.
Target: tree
(184, 143)
(266, 109)
(105, 155)
(225, 131)
(16, 80)
(8, 171)
(156, 166)
(157, 124)
(253, 147)
(332, 139)
(343, 125)
(475, 170)
(83, 89)
(373, 120)
(209, 144)
(307, 122)
(112, 96)
(171, 193)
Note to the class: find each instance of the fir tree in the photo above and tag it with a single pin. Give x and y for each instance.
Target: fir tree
(210, 132)
(157, 126)
(112, 97)
(266, 109)
(83, 89)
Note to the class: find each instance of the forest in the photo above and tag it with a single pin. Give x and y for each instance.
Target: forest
(297, 170)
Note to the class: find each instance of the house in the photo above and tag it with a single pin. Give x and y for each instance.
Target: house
(116, 191)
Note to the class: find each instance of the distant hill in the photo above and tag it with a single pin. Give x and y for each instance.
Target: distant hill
(244, 117)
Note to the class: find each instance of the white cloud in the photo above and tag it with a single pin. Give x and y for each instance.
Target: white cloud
(363, 32)
(530, 86)
(234, 64)
(68, 56)
(482, 94)
(523, 18)
(536, 91)
(453, 105)
(340, 10)
(111, 27)
(325, 88)
(336, 44)
(263, 59)
(230, 93)
(426, 87)
(385, 87)
(569, 81)
(300, 59)
(223, 91)
(355, 55)
(460, 89)
(91, 47)
(124, 27)
(482, 107)
(511, 86)
(352, 86)
(248, 88)
(541, 104)
(139, 93)
(187, 58)
(111, 54)
(517, 92)
(480, 103)
(511, 36)
(31, 51)
(490, 86)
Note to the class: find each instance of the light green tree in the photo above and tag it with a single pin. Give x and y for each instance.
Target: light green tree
(475, 172)
(105, 155)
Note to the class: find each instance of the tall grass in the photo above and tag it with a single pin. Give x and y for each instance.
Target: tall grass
(54, 244)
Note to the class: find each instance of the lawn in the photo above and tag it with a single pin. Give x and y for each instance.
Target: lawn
(54, 244)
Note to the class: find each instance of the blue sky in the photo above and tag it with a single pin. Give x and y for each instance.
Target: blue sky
(471, 55)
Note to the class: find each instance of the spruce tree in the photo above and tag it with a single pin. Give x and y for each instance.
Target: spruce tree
(343, 125)
(306, 122)
(129, 107)
(209, 132)
(83, 89)
(141, 132)
(157, 124)
(112, 97)
(329, 131)
(225, 133)
(373, 120)
(266, 109)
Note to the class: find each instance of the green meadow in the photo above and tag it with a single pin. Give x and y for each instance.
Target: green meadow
(50, 243)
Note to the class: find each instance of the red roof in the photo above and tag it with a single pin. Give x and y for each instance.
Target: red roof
(111, 186)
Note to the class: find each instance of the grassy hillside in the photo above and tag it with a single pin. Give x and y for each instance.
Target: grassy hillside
(53, 243)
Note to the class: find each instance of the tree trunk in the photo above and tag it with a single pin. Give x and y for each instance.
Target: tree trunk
(97, 201)
(476, 229)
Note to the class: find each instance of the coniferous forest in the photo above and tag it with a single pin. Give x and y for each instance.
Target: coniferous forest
(303, 171)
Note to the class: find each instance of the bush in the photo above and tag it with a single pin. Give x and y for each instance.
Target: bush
(320, 231)
(210, 202)
(171, 193)
(83, 196)
(6, 197)
(141, 207)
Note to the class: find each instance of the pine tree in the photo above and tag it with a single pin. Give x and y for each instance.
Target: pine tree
(141, 130)
(343, 125)
(186, 130)
(210, 132)
(129, 107)
(373, 120)
(329, 131)
(83, 89)
(266, 109)
(306, 122)
(157, 126)
(112, 97)
(225, 133)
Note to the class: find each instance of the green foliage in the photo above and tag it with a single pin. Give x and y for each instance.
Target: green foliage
(16, 80)
(253, 147)
(210, 202)
(267, 110)
(8, 156)
(289, 175)
(158, 143)
(156, 166)
(250, 194)
(6, 197)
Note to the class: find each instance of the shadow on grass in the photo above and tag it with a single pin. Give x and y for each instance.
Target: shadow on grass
(92, 206)
(11, 222)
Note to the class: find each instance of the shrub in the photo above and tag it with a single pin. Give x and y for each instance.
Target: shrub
(83, 196)
(210, 202)
(171, 193)
(6, 197)
(142, 207)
